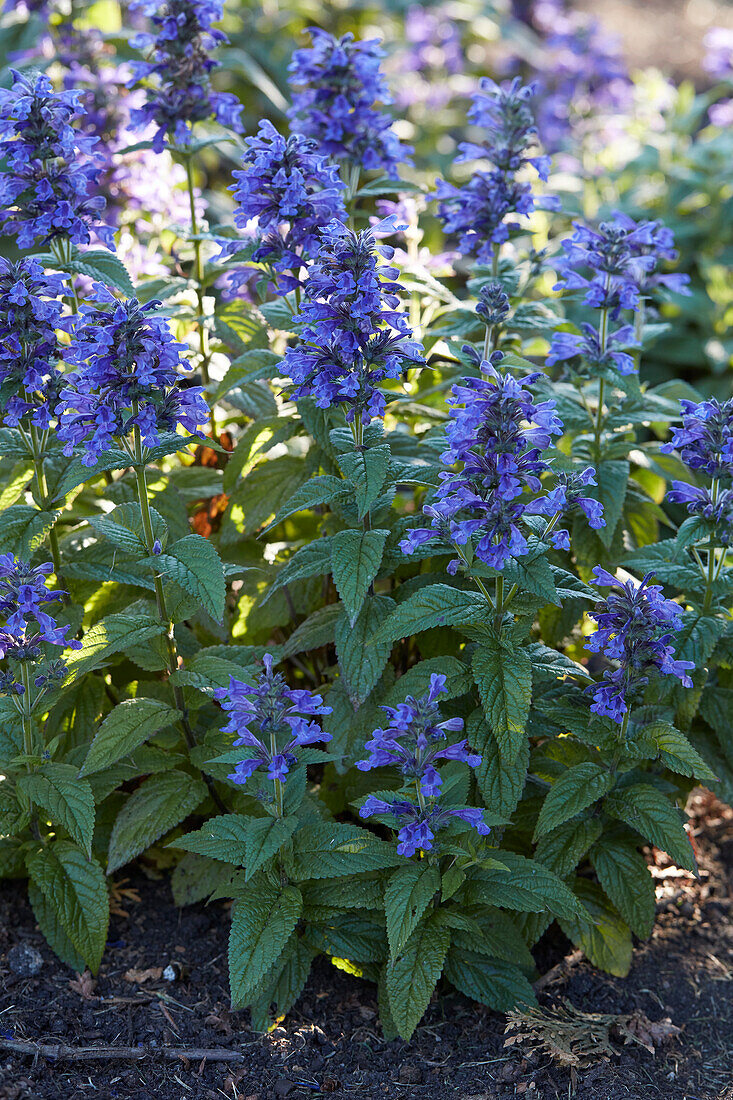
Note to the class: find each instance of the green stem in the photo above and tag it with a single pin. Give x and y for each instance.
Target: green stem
(279, 800)
(639, 320)
(42, 488)
(198, 272)
(477, 580)
(172, 650)
(603, 340)
(710, 580)
(499, 601)
(29, 732)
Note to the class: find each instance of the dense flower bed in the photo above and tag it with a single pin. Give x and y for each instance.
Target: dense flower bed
(364, 550)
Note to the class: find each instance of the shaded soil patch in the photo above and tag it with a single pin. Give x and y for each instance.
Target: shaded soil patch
(332, 1045)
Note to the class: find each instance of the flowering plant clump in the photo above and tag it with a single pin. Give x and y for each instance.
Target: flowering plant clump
(178, 77)
(338, 84)
(353, 335)
(127, 379)
(30, 316)
(292, 191)
(50, 172)
(323, 495)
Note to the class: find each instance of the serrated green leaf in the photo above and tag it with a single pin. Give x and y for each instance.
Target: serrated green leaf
(325, 850)
(49, 922)
(109, 636)
(262, 922)
(24, 529)
(123, 527)
(317, 491)
(283, 983)
(366, 470)
(74, 889)
(161, 802)
(361, 651)
(676, 752)
(500, 781)
(196, 878)
(612, 477)
(15, 482)
(409, 892)
(526, 886)
(128, 725)
(651, 814)
(67, 799)
(104, 266)
(265, 836)
(193, 563)
(263, 491)
(572, 793)
(311, 560)
(624, 875)
(413, 975)
(434, 605)
(503, 675)
(563, 848)
(492, 982)
(223, 838)
(603, 935)
(549, 664)
(317, 630)
(355, 560)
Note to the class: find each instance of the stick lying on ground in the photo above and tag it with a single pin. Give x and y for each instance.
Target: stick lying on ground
(59, 1052)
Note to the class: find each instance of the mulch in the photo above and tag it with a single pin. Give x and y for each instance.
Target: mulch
(169, 1034)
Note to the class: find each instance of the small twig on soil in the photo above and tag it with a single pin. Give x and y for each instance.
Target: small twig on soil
(558, 971)
(59, 1052)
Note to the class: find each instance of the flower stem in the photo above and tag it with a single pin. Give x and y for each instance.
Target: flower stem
(198, 272)
(29, 732)
(42, 489)
(178, 696)
(499, 601)
(278, 783)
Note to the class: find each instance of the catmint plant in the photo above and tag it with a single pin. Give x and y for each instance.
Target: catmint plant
(292, 191)
(337, 86)
(48, 184)
(352, 335)
(478, 212)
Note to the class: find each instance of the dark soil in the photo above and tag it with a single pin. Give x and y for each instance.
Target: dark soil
(332, 1045)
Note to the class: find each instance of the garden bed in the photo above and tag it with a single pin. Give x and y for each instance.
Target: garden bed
(331, 1044)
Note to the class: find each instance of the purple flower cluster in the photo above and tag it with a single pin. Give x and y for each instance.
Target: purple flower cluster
(338, 83)
(477, 213)
(413, 741)
(127, 375)
(497, 435)
(635, 626)
(705, 444)
(493, 304)
(30, 315)
(292, 191)
(23, 595)
(353, 335)
(421, 824)
(431, 55)
(616, 266)
(281, 719)
(581, 72)
(179, 73)
(50, 172)
(415, 738)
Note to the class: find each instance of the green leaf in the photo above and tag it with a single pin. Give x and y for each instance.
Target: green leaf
(572, 793)
(603, 935)
(123, 527)
(262, 922)
(501, 783)
(349, 936)
(327, 850)
(68, 800)
(14, 482)
(413, 975)
(408, 894)
(503, 675)
(311, 560)
(128, 725)
(624, 875)
(75, 891)
(362, 652)
(24, 529)
(265, 836)
(651, 814)
(283, 983)
(250, 366)
(434, 605)
(533, 575)
(193, 563)
(613, 478)
(104, 266)
(196, 878)
(355, 560)
(317, 630)
(563, 848)
(549, 664)
(317, 491)
(111, 635)
(676, 752)
(366, 470)
(493, 982)
(158, 804)
(264, 490)
(223, 838)
(416, 681)
(490, 932)
(49, 922)
(526, 886)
